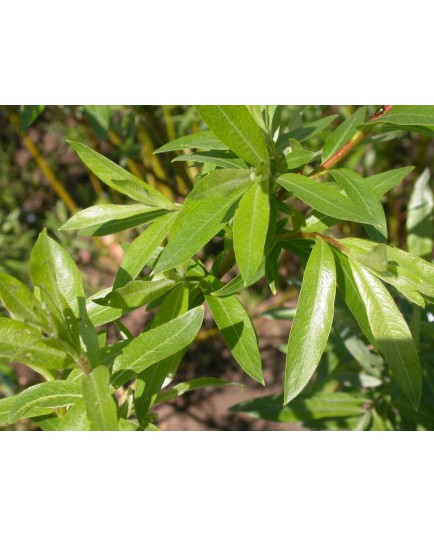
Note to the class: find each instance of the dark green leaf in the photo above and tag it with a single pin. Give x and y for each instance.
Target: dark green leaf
(100, 406)
(298, 158)
(199, 140)
(99, 119)
(304, 408)
(383, 182)
(235, 127)
(238, 332)
(118, 178)
(222, 159)
(313, 319)
(250, 228)
(28, 115)
(343, 133)
(324, 198)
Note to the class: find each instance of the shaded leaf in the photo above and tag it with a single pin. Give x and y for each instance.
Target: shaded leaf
(192, 385)
(28, 115)
(420, 217)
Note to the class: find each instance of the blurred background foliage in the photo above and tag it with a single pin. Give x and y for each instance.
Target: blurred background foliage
(42, 182)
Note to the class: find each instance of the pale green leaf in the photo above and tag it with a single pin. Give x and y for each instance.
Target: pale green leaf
(157, 344)
(75, 419)
(222, 183)
(196, 224)
(235, 126)
(313, 319)
(118, 178)
(365, 198)
(205, 139)
(420, 217)
(100, 407)
(391, 332)
(52, 395)
(250, 228)
(141, 249)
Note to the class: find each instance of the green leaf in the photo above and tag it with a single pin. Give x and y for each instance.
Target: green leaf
(313, 319)
(390, 331)
(407, 115)
(364, 197)
(136, 293)
(304, 408)
(106, 219)
(100, 406)
(343, 133)
(383, 182)
(197, 223)
(5, 408)
(324, 198)
(192, 385)
(305, 132)
(157, 344)
(235, 126)
(22, 343)
(99, 119)
(28, 115)
(150, 381)
(99, 314)
(205, 139)
(238, 332)
(22, 304)
(224, 159)
(141, 249)
(420, 218)
(52, 395)
(298, 158)
(119, 179)
(375, 258)
(250, 228)
(222, 183)
(75, 419)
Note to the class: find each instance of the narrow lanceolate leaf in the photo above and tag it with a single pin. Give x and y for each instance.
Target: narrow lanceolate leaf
(150, 381)
(118, 178)
(75, 419)
(22, 304)
(136, 293)
(5, 407)
(205, 139)
(235, 126)
(107, 219)
(100, 406)
(298, 158)
(250, 228)
(391, 333)
(157, 344)
(192, 385)
(28, 115)
(224, 159)
(318, 406)
(196, 224)
(238, 332)
(53, 395)
(22, 343)
(324, 198)
(407, 115)
(222, 183)
(343, 133)
(313, 320)
(363, 196)
(420, 217)
(141, 250)
(383, 182)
